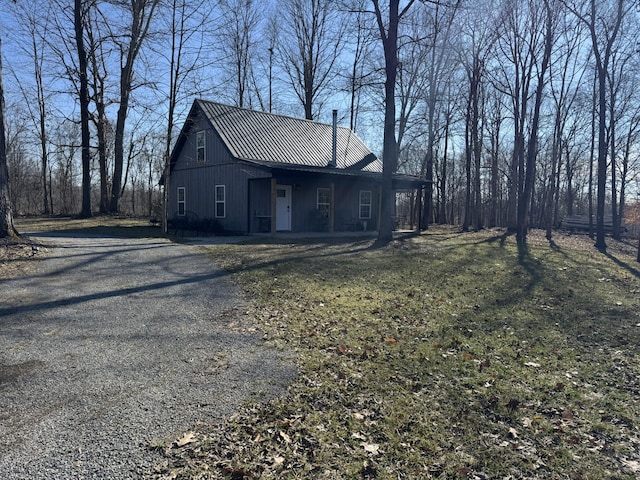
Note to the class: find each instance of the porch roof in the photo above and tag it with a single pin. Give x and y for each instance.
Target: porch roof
(400, 181)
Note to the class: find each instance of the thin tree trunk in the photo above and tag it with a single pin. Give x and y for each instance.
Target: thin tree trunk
(612, 150)
(467, 169)
(443, 177)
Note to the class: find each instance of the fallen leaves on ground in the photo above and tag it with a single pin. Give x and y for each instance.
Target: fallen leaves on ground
(483, 384)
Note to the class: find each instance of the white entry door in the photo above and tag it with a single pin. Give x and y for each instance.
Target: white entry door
(283, 207)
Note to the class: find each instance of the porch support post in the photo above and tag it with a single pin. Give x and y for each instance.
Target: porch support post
(332, 207)
(273, 204)
(379, 208)
(419, 209)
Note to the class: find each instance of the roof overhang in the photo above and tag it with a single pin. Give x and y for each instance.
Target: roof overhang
(400, 181)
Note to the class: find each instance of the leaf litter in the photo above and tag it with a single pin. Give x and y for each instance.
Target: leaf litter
(431, 360)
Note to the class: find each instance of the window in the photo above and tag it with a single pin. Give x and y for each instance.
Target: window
(365, 204)
(220, 201)
(181, 201)
(200, 147)
(324, 201)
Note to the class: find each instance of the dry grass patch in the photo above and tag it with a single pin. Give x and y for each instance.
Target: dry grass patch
(106, 225)
(18, 256)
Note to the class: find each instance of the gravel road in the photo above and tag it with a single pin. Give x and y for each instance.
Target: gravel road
(114, 346)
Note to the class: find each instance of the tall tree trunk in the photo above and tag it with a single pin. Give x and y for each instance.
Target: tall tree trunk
(602, 160)
(84, 108)
(476, 138)
(555, 149)
(42, 117)
(7, 228)
(467, 169)
(495, 151)
(141, 15)
(442, 217)
(523, 201)
(612, 150)
(390, 149)
(592, 154)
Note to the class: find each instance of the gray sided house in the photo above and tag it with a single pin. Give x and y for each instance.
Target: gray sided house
(253, 172)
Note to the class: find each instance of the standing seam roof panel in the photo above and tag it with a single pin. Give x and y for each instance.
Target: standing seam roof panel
(259, 136)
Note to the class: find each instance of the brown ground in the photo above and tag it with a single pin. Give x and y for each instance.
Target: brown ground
(17, 256)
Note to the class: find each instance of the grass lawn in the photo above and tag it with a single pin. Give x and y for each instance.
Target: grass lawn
(447, 355)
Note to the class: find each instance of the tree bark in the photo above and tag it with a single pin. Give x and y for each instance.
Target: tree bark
(84, 108)
(7, 228)
(389, 38)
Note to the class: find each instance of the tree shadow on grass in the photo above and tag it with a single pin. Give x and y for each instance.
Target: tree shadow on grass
(632, 270)
(502, 238)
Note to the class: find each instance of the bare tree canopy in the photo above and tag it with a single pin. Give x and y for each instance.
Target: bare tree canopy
(517, 114)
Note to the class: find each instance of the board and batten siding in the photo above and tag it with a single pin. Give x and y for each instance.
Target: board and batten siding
(200, 179)
(304, 191)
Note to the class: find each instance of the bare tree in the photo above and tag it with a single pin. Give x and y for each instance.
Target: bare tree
(310, 53)
(528, 28)
(79, 19)
(547, 23)
(36, 24)
(98, 83)
(7, 228)
(362, 38)
(442, 21)
(240, 21)
(389, 37)
(479, 34)
(494, 119)
(566, 76)
(184, 24)
(603, 21)
(139, 13)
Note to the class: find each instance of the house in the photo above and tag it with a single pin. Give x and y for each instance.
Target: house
(253, 171)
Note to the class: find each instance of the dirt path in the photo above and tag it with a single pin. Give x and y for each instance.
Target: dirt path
(113, 346)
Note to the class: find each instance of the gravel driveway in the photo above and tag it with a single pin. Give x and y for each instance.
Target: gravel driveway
(113, 346)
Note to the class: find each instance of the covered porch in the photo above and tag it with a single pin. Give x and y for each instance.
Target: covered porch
(308, 200)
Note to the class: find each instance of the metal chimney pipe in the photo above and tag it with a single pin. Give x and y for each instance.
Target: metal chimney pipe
(334, 144)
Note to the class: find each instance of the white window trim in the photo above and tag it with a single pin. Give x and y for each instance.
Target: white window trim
(183, 201)
(360, 204)
(203, 147)
(223, 201)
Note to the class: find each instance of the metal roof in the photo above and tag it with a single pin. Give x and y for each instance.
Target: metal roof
(277, 140)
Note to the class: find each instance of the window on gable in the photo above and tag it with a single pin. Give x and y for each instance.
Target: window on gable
(220, 201)
(200, 147)
(181, 201)
(324, 201)
(365, 204)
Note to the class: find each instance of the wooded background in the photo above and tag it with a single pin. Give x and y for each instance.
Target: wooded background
(517, 110)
